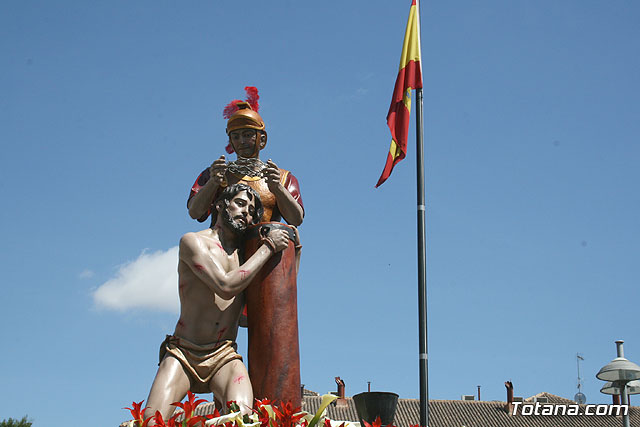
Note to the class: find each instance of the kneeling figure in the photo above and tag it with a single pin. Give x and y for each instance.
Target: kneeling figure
(201, 354)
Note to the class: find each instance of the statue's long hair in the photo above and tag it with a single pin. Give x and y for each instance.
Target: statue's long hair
(230, 192)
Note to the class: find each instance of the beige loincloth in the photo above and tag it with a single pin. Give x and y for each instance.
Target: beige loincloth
(200, 362)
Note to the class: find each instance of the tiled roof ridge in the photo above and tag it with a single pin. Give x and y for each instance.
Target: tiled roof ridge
(308, 393)
(541, 394)
(552, 398)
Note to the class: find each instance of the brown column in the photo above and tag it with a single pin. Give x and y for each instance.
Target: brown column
(272, 312)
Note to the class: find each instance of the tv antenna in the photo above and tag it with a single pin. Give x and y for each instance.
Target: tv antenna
(579, 398)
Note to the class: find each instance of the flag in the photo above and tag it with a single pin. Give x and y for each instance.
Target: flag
(409, 77)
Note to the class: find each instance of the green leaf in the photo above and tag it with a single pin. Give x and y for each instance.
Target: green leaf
(326, 400)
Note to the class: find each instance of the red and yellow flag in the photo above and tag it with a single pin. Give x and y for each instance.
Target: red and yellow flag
(409, 77)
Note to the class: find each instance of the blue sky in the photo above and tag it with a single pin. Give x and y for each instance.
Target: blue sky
(109, 110)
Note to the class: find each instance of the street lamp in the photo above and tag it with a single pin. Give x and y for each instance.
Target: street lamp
(633, 387)
(620, 371)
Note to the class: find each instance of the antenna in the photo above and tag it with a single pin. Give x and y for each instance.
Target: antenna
(579, 398)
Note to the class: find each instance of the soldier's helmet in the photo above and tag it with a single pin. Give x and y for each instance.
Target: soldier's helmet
(244, 115)
(244, 118)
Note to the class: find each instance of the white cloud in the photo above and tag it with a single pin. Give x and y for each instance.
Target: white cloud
(150, 282)
(86, 274)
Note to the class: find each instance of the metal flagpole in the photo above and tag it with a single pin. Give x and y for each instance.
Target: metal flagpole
(422, 253)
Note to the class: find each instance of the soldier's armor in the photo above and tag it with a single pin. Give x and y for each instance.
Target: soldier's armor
(271, 212)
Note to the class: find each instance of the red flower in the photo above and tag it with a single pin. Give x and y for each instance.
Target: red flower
(138, 414)
(376, 423)
(327, 423)
(263, 402)
(285, 415)
(171, 422)
(215, 414)
(263, 415)
(158, 419)
(189, 406)
(195, 420)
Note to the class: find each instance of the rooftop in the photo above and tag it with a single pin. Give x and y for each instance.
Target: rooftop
(466, 413)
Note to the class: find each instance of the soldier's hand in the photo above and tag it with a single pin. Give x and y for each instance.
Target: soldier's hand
(217, 170)
(272, 175)
(280, 239)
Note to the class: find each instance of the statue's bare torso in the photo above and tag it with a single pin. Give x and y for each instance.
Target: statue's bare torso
(206, 317)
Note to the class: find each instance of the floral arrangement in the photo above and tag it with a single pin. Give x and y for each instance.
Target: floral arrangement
(264, 414)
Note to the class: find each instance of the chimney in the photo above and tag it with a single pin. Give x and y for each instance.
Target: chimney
(341, 400)
(340, 387)
(509, 405)
(478, 393)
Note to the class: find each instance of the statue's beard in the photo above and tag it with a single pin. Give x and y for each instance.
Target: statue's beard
(238, 228)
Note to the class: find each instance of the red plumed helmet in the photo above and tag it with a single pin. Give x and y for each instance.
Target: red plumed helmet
(252, 100)
(243, 114)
